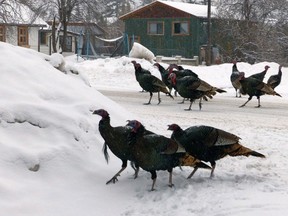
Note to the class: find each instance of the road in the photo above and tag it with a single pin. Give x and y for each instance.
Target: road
(221, 111)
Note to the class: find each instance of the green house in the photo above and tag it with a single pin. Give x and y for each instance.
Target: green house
(169, 28)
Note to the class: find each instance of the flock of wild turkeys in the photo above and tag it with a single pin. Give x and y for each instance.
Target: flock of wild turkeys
(190, 86)
(186, 147)
(152, 152)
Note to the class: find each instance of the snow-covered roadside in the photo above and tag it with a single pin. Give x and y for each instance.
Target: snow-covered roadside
(45, 119)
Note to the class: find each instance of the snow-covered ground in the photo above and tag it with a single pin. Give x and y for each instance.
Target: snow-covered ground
(51, 161)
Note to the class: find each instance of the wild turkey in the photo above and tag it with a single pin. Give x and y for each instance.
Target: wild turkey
(275, 80)
(209, 144)
(180, 71)
(193, 88)
(142, 71)
(235, 78)
(255, 87)
(164, 75)
(154, 152)
(260, 76)
(116, 138)
(150, 83)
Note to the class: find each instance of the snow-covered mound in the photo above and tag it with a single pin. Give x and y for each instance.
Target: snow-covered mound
(50, 142)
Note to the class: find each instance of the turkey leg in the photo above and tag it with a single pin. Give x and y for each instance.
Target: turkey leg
(159, 99)
(170, 184)
(192, 173)
(153, 177)
(114, 178)
(246, 102)
(149, 102)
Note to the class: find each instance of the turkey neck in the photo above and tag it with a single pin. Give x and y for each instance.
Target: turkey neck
(177, 134)
(174, 80)
(133, 136)
(234, 68)
(104, 125)
(162, 70)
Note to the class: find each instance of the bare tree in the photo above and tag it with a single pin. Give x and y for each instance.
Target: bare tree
(10, 10)
(254, 29)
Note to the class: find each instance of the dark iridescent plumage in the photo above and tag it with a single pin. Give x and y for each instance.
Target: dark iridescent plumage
(154, 152)
(209, 144)
(193, 88)
(275, 80)
(116, 138)
(150, 83)
(255, 87)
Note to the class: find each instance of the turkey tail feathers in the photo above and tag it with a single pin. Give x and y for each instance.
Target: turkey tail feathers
(257, 154)
(202, 165)
(170, 95)
(189, 160)
(105, 152)
(238, 150)
(220, 90)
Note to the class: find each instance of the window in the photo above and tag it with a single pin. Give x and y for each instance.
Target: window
(180, 28)
(155, 28)
(2, 33)
(23, 36)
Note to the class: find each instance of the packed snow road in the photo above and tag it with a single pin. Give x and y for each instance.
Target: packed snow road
(216, 112)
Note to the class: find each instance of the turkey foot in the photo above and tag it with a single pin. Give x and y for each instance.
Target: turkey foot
(146, 103)
(114, 179)
(136, 173)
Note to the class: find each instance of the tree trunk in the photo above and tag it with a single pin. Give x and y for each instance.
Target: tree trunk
(208, 51)
(54, 42)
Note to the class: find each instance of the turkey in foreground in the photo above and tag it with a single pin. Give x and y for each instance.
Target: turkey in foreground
(255, 87)
(150, 83)
(193, 88)
(275, 80)
(154, 152)
(116, 138)
(235, 78)
(209, 144)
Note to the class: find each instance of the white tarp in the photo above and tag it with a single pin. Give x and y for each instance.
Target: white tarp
(139, 51)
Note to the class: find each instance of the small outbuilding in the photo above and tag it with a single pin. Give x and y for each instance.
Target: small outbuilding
(21, 28)
(169, 28)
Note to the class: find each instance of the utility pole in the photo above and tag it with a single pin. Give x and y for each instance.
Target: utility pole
(208, 51)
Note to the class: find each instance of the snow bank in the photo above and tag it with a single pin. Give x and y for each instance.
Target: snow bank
(50, 144)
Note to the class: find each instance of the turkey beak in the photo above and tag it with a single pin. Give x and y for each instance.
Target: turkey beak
(95, 112)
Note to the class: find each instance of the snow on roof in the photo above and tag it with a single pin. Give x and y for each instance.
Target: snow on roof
(193, 9)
